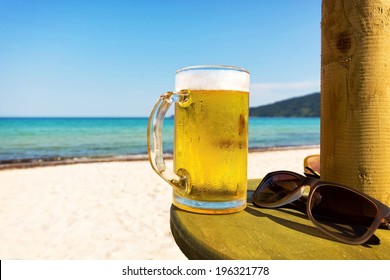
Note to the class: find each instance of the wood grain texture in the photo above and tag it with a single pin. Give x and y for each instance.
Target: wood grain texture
(355, 95)
(272, 234)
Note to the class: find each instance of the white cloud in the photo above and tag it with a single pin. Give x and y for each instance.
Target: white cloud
(266, 93)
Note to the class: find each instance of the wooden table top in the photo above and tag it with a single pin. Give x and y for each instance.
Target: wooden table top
(258, 233)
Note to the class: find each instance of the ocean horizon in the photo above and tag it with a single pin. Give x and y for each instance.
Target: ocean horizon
(28, 139)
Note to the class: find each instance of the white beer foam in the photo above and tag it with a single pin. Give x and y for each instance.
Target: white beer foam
(212, 80)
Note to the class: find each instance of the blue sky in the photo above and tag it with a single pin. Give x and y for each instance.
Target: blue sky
(115, 58)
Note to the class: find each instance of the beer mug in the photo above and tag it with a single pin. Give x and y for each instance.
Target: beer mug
(210, 139)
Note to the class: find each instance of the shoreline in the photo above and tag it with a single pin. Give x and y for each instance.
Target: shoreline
(107, 210)
(54, 161)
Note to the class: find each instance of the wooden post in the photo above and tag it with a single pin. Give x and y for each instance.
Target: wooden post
(355, 95)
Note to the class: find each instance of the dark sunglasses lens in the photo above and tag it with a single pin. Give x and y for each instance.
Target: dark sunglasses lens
(342, 212)
(275, 189)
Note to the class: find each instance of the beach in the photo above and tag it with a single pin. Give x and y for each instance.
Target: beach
(101, 210)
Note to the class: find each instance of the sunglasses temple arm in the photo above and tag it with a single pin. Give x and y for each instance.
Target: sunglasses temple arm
(386, 221)
(315, 173)
(299, 205)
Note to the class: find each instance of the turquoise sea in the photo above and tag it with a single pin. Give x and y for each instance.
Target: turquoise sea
(30, 139)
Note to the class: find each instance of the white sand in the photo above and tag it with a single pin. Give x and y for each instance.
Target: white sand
(112, 210)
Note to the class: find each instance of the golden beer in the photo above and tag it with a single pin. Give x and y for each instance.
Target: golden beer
(211, 139)
(211, 145)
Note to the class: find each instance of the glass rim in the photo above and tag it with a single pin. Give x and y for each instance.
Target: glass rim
(213, 67)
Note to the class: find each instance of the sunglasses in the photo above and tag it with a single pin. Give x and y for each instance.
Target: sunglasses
(343, 213)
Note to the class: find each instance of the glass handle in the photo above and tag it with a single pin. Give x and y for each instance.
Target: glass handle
(179, 181)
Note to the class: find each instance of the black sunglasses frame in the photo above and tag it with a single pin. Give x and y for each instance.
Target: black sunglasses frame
(382, 210)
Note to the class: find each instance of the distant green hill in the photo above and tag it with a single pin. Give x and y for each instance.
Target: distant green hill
(304, 106)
